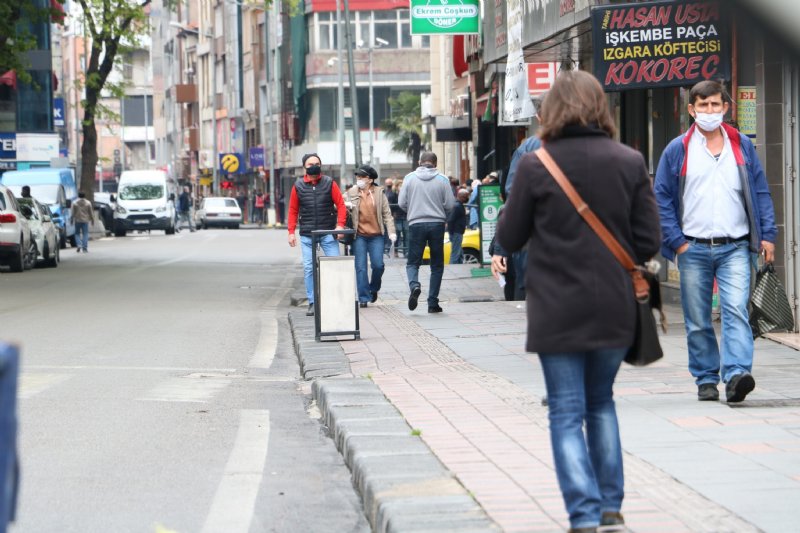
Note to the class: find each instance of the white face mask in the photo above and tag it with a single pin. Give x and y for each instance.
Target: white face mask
(362, 184)
(708, 121)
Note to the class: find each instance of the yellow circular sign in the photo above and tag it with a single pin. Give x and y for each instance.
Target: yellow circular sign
(230, 163)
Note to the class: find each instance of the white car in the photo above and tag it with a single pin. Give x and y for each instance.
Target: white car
(17, 248)
(220, 212)
(43, 231)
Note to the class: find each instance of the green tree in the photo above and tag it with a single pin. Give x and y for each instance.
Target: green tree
(404, 125)
(15, 35)
(113, 28)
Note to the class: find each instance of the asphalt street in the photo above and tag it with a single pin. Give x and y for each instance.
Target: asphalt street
(160, 391)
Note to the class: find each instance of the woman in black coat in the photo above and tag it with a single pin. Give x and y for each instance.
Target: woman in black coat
(580, 302)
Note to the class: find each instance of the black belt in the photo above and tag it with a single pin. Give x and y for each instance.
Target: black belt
(714, 241)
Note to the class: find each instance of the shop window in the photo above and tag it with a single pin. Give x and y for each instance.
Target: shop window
(328, 114)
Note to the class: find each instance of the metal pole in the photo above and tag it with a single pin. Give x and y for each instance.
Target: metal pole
(122, 128)
(146, 132)
(267, 58)
(353, 89)
(340, 95)
(371, 113)
(215, 154)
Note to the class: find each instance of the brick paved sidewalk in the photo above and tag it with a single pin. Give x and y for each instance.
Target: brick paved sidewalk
(463, 380)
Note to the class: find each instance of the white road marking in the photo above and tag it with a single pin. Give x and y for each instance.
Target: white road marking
(234, 502)
(186, 390)
(268, 339)
(32, 383)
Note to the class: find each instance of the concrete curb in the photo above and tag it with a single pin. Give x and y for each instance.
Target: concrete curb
(403, 485)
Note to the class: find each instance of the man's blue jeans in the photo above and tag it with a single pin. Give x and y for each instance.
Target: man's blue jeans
(432, 234)
(730, 264)
(372, 247)
(82, 235)
(456, 252)
(330, 247)
(588, 466)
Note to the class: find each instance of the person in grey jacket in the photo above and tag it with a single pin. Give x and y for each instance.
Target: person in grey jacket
(427, 199)
(82, 214)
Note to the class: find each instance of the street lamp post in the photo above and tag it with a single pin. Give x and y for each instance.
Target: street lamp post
(381, 42)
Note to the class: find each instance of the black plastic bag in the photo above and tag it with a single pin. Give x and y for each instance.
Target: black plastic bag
(769, 306)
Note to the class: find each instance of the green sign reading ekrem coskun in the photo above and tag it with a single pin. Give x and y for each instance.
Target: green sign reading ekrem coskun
(445, 17)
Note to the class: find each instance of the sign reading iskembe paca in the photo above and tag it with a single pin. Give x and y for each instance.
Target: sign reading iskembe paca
(660, 44)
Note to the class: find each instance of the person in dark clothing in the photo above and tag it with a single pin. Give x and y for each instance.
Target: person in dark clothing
(581, 306)
(400, 222)
(185, 210)
(456, 225)
(316, 203)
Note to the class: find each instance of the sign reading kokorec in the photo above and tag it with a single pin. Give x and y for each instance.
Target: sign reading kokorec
(451, 17)
(659, 44)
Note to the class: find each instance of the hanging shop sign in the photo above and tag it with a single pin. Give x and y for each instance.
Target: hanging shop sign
(660, 44)
(437, 17)
(517, 103)
(746, 110)
(256, 156)
(231, 163)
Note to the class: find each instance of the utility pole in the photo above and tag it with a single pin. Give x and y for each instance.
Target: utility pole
(340, 94)
(267, 59)
(353, 89)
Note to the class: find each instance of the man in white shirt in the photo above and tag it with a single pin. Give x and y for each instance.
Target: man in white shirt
(715, 209)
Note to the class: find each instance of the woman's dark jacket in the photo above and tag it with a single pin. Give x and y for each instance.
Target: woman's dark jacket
(579, 296)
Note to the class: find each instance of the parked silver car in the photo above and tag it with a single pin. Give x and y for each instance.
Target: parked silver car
(17, 248)
(43, 231)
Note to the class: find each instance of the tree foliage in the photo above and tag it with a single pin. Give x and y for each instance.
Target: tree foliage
(15, 35)
(113, 27)
(404, 126)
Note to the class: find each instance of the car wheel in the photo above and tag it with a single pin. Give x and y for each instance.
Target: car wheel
(170, 230)
(31, 255)
(54, 258)
(17, 263)
(471, 257)
(236, 226)
(62, 239)
(205, 225)
(119, 231)
(45, 255)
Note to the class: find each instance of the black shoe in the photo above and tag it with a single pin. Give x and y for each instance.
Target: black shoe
(434, 309)
(610, 518)
(310, 311)
(78, 250)
(362, 304)
(413, 297)
(739, 387)
(707, 392)
(374, 297)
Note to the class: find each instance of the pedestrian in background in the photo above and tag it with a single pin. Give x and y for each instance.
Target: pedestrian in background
(372, 219)
(400, 222)
(715, 209)
(315, 203)
(258, 210)
(581, 307)
(185, 210)
(83, 215)
(456, 225)
(387, 242)
(427, 199)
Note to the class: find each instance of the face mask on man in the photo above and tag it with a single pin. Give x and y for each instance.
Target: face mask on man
(314, 170)
(708, 121)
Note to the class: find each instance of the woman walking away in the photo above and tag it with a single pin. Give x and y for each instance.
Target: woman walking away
(371, 218)
(580, 301)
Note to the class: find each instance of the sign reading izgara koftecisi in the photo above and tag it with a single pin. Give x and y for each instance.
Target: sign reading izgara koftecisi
(660, 44)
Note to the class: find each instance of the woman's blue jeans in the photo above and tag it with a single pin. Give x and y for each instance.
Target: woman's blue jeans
(330, 247)
(588, 465)
(730, 264)
(372, 247)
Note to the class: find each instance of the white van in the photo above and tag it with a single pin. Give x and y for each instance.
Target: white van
(145, 201)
